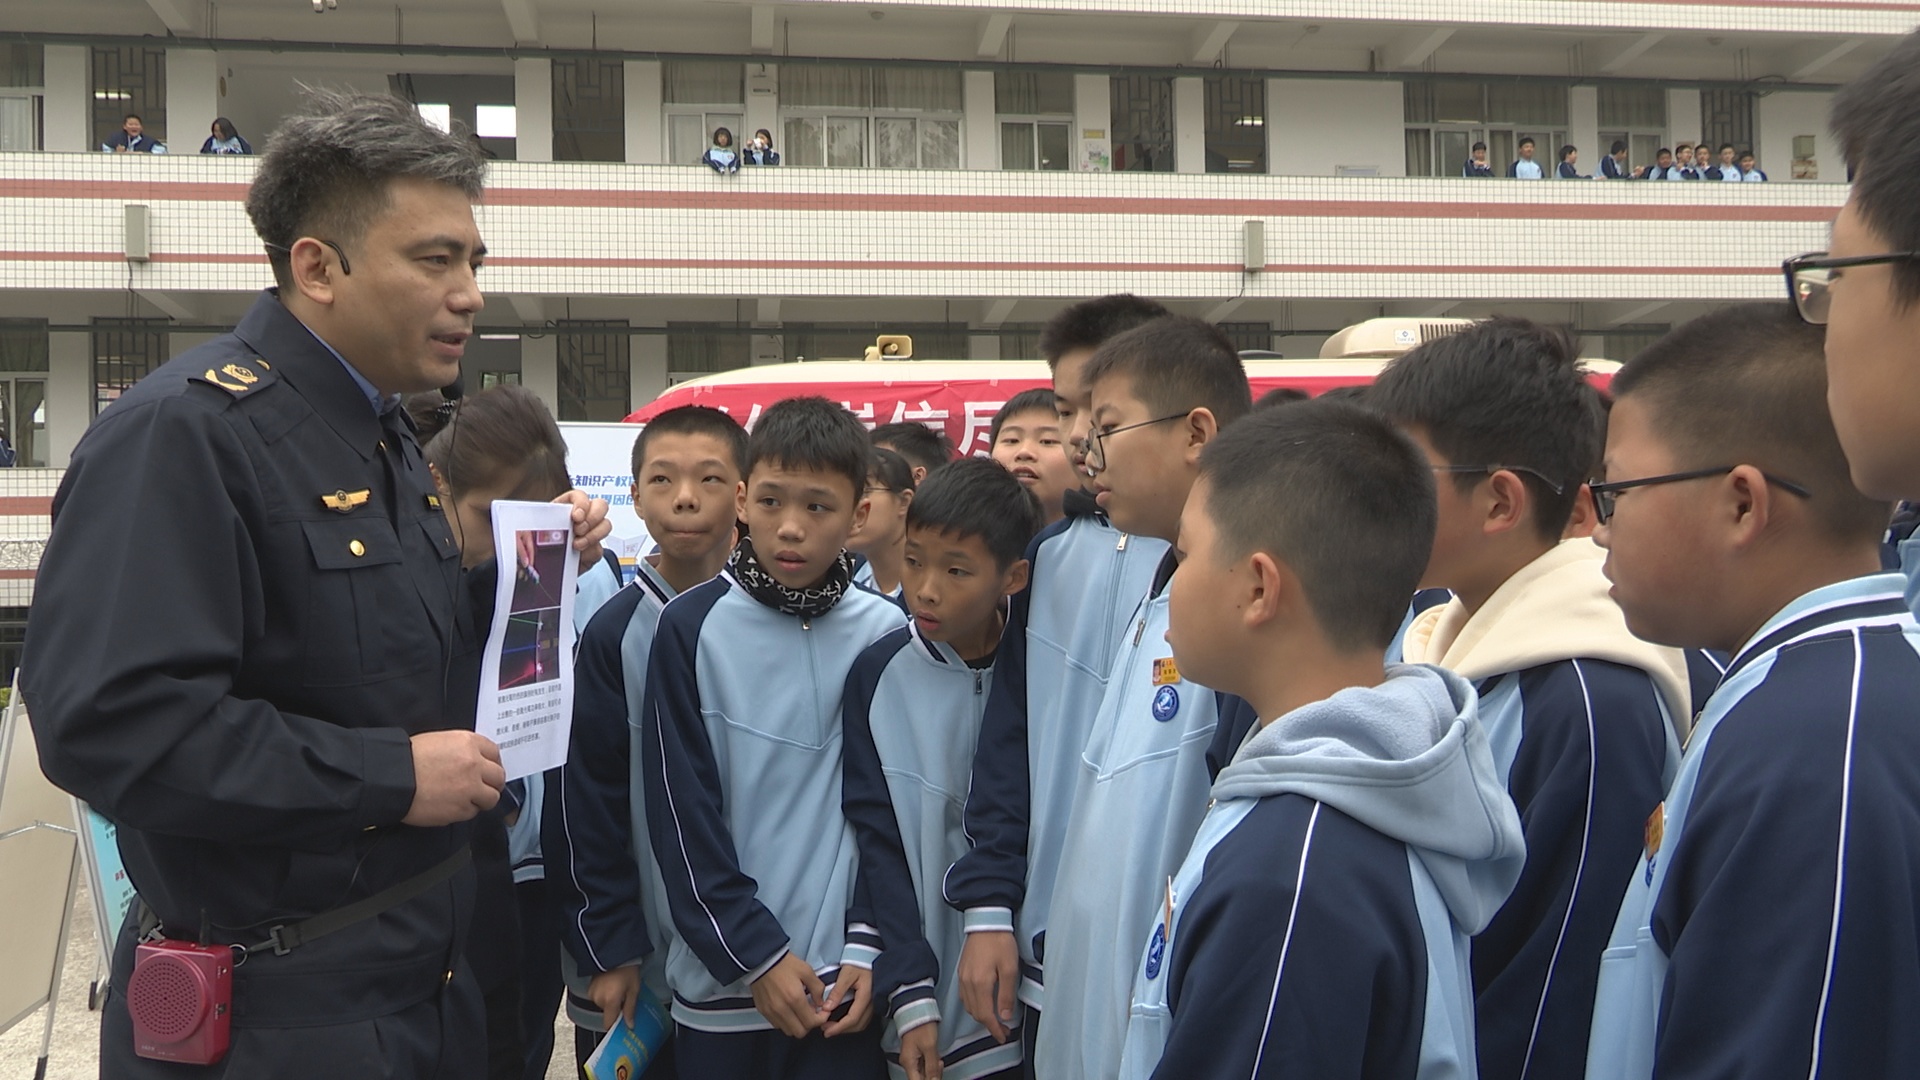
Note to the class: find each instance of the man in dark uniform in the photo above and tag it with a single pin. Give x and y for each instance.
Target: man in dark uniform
(251, 647)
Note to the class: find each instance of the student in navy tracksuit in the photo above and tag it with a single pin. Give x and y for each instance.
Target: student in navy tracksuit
(913, 707)
(1583, 718)
(771, 959)
(1049, 675)
(1319, 925)
(1476, 166)
(1873, 340)
(1770, 925)
(1161, 393)
(688, 464)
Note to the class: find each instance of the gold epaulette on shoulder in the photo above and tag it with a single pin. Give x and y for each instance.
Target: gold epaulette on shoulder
(239, 379)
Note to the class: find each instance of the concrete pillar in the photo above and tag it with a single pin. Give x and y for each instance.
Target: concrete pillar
(983, 345)
(647, 370)
(763, 101)
(1189, 125)
(540, 368)
(533, 109)
(193, 97)
(1093, 116)
(68, 108)
(645, 145)
(69, 393)
(1683, 116)
(981, 134)
(1583, 128)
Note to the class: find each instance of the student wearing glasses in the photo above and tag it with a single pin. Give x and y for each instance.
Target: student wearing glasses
(1768, 922)
(1866, 291)
(1584, 719)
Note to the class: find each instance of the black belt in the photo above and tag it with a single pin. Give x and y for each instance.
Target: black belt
(269, 996)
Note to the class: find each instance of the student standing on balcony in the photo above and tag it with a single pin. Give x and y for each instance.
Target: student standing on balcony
(1614, 165)
(1662, 166)
(721, 157)
(225, 140)
(1526, 168)
(1569, 164)
(1683, 163)
(760, 150)
(1750, 170)
(133, 139)
(1477, 166)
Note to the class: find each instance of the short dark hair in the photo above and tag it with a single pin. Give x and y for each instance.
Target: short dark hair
(1177, 363)
(923, 446)
(1877, 120)
(1568, 149)
(811, 433)
(1505, 391)
(326, 170)
(1352, 394)
(131, 116)
(499, 433)
(1618, 145)
(1747, 385)
(976, 497)
(889, 470)
(1677, 147)
(1281, 395)
(694, 420)
(1662, 150)
(1090, 323)
(719, 131)
(1745, 154)
(1035, 400)
(1340, 496)
(1479, 146)
(1725, 146)
(1526, 142)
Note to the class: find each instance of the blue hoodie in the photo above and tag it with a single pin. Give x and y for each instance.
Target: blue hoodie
(1770, 926)
(913, 710)
(740, 762)
(1049, 676)
(1319, 926)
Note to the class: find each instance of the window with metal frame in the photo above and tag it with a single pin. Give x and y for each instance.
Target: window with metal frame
(595, 361)
(124, 352)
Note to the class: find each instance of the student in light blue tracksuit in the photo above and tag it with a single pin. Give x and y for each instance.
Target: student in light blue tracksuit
(1770, 924)
(1050, 671)
(770, 965)
(610, 901)
(1161, 392)
(913, 709)
(1583, 718)
(1318, 926)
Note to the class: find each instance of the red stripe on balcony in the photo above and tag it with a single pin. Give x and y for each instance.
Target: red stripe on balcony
(22, 505)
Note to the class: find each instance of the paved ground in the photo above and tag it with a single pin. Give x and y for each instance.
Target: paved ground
(76, 1032)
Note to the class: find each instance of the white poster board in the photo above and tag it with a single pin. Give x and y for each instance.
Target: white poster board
(38, 863)
(600, 458)
(526, 673)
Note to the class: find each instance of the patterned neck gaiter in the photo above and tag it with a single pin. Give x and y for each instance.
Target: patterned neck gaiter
(801, 603)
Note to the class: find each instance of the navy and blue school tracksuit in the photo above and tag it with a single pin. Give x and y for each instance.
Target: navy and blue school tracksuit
(913, 710)
(1319, 925)
(1582, 719)
(1140, 794)
(601, 873)
(1049, 676)
(741, 770)
(1772, 925)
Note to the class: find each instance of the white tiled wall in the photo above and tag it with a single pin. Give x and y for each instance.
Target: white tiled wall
(624, 230)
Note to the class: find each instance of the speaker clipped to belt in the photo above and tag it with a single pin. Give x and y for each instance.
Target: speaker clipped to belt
(181, 999)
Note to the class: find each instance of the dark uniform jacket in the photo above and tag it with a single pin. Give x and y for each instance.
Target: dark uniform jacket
(250, 600)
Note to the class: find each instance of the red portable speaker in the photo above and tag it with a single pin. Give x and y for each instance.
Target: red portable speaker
(181, 1001)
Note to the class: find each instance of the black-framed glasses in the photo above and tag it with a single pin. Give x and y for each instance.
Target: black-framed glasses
(1809, 275)
(1096, 446)
(346, 268)
(1605, 494)
(1488, 470)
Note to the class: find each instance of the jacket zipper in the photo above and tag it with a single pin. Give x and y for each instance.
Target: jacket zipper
(1113, 589)
(976, 683)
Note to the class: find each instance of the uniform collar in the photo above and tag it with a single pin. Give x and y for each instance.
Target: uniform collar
(380, 404)
(943, 654)
(1870, 597)
(326, 382)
